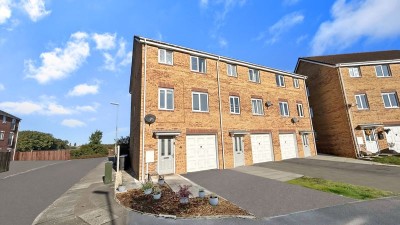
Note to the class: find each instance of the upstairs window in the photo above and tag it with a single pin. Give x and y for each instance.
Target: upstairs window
(13, 124)
(280, 80)
(199, 102)
(231, 69)
(284, 108)
(165, 56)
(10, 139)
(234, 104)
(166, 99)
(4, 119)
(257, 106)
(382, 71)
(300, 110)
(362, 102)
(390, 100)
(198, 64)
(354, 72)
(296, 83)
(254, 75)
(1, 135)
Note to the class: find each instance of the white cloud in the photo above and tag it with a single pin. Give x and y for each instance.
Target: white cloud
(5, 11)
(84, 89)
(56, 109)
(73, 123)
(59, 63)
(109, 62)
(2, 88)
(357, 19)
(275, 31)
(36, 9)
(222, 42)
(121, 58)
(127, 60)
(290, 2)
(23, 108)
(203, 3)
(104, 41)
(88, 108)
(301, 38)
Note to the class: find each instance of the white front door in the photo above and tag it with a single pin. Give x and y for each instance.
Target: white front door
(201, 152)
(370, 141)
(166, 159)
(238, 150)
(306, 145)
(393, 138)
(288, 146)
(261, 148)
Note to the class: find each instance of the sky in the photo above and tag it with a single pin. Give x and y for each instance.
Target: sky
(62, 62)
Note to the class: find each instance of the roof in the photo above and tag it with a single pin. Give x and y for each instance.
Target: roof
(356, 57)
(8, 115)
(214, 56)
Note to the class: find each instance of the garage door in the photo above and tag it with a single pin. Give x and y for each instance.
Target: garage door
(394, 137)
(201, 152)
(261, 148)
(288, 146)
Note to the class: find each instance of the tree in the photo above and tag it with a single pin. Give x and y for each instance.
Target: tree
(35, 140)
(95, 137)
(93, 149)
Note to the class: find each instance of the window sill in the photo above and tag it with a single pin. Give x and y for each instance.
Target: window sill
(235, 114)
(166, 110)
(255, 82)
(392, 108)
(280, 86)
(208, 112)
(166, 64)
(385, 77)
(202, 73)
(258, 114)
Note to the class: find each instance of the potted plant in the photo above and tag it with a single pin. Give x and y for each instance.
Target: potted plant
(161, 180)
(147, 187)
(202, 193)
(156, 193)
(213, 199)
(184, 193)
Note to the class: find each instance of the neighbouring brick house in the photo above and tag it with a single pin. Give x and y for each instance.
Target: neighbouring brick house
(8, 131)
(212, 112)
(354, 99)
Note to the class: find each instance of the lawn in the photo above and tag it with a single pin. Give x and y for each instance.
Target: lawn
(347, 190)
(395, 160)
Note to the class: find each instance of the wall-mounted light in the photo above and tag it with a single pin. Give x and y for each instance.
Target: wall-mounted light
(295, 120)
(268, 103)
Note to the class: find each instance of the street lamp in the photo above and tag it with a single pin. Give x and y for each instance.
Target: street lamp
(116, 133)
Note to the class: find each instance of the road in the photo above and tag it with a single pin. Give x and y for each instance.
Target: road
(30, 186)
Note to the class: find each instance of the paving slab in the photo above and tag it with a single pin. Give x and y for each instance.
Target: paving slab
(268, 173)
(261, 196)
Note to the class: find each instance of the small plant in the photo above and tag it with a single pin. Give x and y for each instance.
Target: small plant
(147, 187)
(156, 190)
(184, 193)
(202, 193)
(213, 195)
(213, 200)
(161, 180)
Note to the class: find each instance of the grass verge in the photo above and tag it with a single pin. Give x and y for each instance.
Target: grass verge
(395, 160)
(347, 190)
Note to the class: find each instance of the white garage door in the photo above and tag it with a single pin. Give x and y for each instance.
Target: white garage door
(394, 137)
(201, 152)
(261, 148)
(288, 146)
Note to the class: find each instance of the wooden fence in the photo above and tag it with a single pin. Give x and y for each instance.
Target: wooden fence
(43, 155)
(5, 161)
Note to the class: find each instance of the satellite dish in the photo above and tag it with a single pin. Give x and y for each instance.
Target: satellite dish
(295, 120)
(268, 103)
(150, 118)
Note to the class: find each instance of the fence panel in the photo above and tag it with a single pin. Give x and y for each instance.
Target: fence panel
(43, 155)
(5, 161)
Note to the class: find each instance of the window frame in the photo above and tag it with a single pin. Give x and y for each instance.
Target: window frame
(296, 83)
(13, 123)
(10, 136)
(280, 82)
(390, 101)
(199, 99)
(234, 106)
(287, 107)
(382, 71)
(256, 74)
(4, 119)
(300, 109)
(198, 64)
(366, 107)
(260, 106)
(351, 71)
(166, 99)
(165, 56)
(231, 66)
(2, 135)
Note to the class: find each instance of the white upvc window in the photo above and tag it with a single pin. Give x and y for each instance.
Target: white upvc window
(300, 110)
(311, 113)
(296, 83)
(234, 103)
(284, 108)
(231, 70)
(354, 72)
(257, 106)
(362, 101)
(254, 75)
(280, 80)
(165, 56)
(390, 100)
(13, 124)
(198, 64)
(1, 135)
(4, 119)
(10, 139)
(382, 71)
(165, 99)
(199, 102)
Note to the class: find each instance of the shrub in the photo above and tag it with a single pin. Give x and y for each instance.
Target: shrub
(89, 151)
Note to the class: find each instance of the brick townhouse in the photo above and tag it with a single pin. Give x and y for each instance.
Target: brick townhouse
(212, 112)
(8, 131)
(354, 99)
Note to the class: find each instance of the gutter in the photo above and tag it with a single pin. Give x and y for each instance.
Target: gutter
(144, 106)
(309, 113)
(16, 142)
(220, 116)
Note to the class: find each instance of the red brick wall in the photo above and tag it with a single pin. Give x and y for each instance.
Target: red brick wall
(6, 127)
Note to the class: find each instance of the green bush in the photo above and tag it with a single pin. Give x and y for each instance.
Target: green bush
(89, 151)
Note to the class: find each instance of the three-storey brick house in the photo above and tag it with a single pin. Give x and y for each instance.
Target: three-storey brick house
(354, 99)
(212, 112)
(9, 125)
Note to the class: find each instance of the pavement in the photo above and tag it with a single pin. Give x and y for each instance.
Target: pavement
(340, 169)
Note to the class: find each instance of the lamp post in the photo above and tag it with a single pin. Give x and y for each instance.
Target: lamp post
(116, 132)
